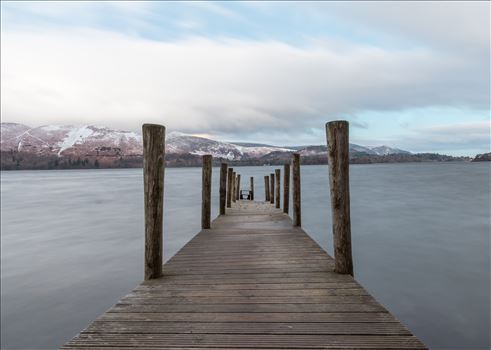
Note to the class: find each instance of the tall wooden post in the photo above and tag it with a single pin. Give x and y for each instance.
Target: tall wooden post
(233, 186)
(206, 192)
(297, 210)
(229, 187)
(286, 188)
(266, 188)
(337, 133)
(238, 187)
(252, 188)
(223, 187)
(153, 184)
(271, 188)
(277, 190)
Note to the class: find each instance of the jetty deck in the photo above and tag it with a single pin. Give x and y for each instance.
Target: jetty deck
(250, 281)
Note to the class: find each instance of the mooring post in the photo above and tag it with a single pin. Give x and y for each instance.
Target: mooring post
(266, 188)
(271, 188)
(297, 210)
(286, 188)
(337, 133)
(229, 187)
(277, 190)
(206, 192)
(252, 188)
(153, 185)
(238, 187)
(223, 187)
(233, 186)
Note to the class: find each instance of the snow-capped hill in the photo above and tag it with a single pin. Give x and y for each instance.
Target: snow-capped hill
(182, 143)
(259, 151)
(386, 150)
(90, 141)
(69, 140)
(177, 142)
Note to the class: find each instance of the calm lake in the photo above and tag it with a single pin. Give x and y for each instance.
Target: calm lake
(72, 244)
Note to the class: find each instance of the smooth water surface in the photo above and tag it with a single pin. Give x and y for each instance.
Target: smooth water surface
(72, 243)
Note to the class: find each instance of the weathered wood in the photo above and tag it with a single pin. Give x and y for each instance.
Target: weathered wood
(286, 188)
(337, 133)
(234, 187)
(252, 281)
(230, 187)
(238, 188)
(153, 179)
(266, 189)
(277, 190)
(271, 188)
(223, 187)
(206, 192)
(252, 188)
(297, 201)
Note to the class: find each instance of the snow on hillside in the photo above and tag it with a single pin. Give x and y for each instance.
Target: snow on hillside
(89, 140)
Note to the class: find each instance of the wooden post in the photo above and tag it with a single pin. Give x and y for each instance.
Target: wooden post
(277, 190)
(297, 212)
(271, 188)
(252, 188)
(223, 187)
(233, 186)
(153, 184)
(266, 188)
(238, 187)
(206, 192)
(337, 133)
(229, 187)
(286, 188)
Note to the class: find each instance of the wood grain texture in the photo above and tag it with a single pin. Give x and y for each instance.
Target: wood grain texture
(286, 188)
(297, 200)
(251, 281)
(337, 133)
(266, 189)
(234, 187)
(271, 188)
(223, 187)
(252, 187)
(206, 192)
(230, 186)
(277, 174)
(237, 196)
(153, 179)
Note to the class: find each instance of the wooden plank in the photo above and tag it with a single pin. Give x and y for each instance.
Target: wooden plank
(313, 341)
(251, 281)
(163, 327)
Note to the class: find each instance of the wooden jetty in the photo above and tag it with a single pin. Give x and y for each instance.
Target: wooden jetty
(252, 279)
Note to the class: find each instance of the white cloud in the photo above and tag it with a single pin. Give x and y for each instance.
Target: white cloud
(220, 86)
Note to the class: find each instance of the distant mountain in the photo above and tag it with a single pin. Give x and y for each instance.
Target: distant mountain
(484, 157)
(69, 140)
(69, 146)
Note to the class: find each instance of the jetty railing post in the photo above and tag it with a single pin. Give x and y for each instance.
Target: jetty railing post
(277, 190)
(271, 188)
(206, 192)
(238, 187)
(229, 187)
(286, 188)
(337, 133)
(223, 187)
(266, 188)
(233, 186)
(252, 188)
(153, 184)
(297, 210)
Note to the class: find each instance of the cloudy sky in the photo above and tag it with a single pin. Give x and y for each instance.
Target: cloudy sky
(412, 75)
